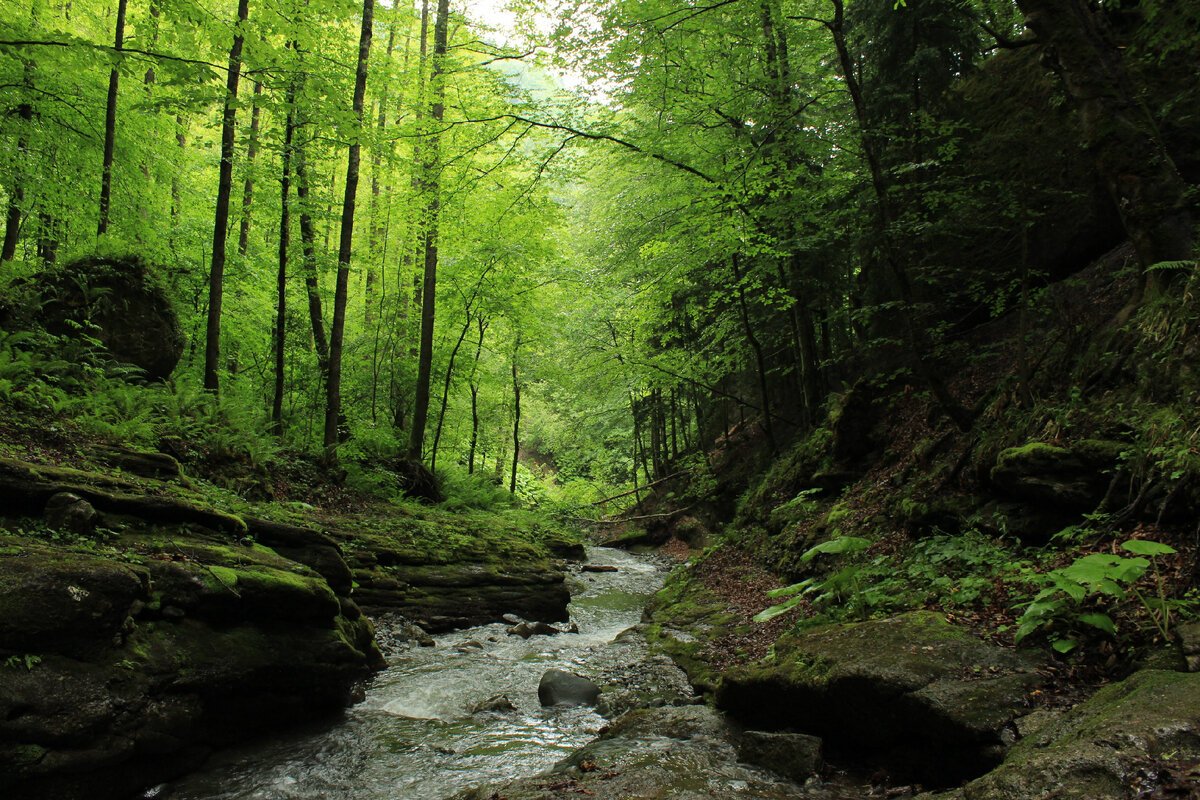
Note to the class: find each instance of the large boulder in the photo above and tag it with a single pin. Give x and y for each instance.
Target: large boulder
(122, 669)
(120, 302)
(926, 698)
(1123, 742)
(1074, 478)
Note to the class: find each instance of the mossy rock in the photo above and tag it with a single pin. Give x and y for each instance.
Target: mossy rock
(1072, 477)
(1103, 748)
(921, 693)
(682, 619)
(125, 301)
(70, 603)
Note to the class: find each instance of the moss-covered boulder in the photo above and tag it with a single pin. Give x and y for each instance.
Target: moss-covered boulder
(684, 619)
(71, 606)
(123, 665)
(1074, 478)
(927, 698)
(125, 304)
(1111, 747)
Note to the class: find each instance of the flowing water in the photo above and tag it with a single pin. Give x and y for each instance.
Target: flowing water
(414, 738)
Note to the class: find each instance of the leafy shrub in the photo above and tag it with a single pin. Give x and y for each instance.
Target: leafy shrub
(1072, 594)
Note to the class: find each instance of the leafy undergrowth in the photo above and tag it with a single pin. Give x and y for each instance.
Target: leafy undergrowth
(70, 415)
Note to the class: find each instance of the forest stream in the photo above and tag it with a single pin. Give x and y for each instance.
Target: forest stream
(415, 738)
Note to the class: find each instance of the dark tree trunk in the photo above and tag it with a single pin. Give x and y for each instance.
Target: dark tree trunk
(47, 243)
(437, 432)
(1118, 130)
(760, 362)
(431, 184)
(110, 125)
(916, 338)
(512, 481)
(475, 396)
(16, 199)
(216, 277)
(333, 386)
(378, 232)
(308, 245)
(176, 192)
(248, 188)
(285, 235)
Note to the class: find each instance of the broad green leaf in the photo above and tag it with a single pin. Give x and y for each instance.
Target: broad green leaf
(1064, 646)
(1098, 620)
(790, 590)
(842, 544)
(775, 610)
(1143, 547)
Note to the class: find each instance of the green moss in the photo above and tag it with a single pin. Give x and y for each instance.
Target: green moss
(225, 576)
(1030, 452)
(22, 756)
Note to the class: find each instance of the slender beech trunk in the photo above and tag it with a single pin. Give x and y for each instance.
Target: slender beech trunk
(333, 386)
(308, 245)
(47, 244)
(110, 124)
(432, 185)
(1119, 132)
(512, 481)
(248, 188)
(378, 234)
(16, 198)
(147, 83)
(674, 430)
(482, 323)
(216, 277)
(285, 233)
(176, 191)
(437, 432)
(410, 278)
(759, 360)
(799, 313)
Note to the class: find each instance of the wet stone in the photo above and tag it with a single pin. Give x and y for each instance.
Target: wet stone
(793, 755)
(559, 687)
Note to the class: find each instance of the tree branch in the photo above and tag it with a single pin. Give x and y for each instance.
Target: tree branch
(109, 48)
(596, 137)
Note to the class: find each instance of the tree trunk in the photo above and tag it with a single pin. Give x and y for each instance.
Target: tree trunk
(1118, 130)
(110, 124)
(916, 339)
(216, 277)
(16, 197)
(333, 386)
(475, 396)
(437, 433)
(308, 243)
(432, 186)
(759, 360)
(176, 192)
(285, 229)
(378, 232)
(512, 482)
(248, 189)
